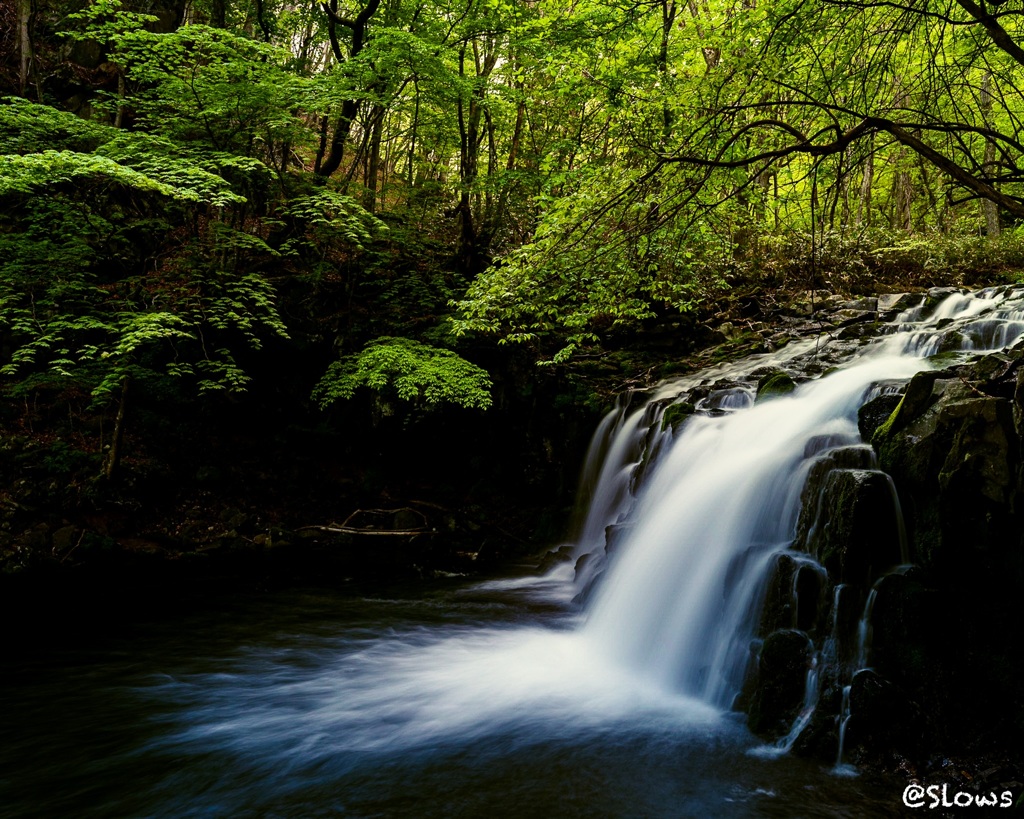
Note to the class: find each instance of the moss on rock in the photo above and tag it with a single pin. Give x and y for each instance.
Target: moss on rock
(775, 383)
(676, 414)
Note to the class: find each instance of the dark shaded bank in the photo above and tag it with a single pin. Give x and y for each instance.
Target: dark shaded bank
(250, 490)
(266, 492)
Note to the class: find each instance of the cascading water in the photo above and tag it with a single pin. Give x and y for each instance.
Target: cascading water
(679, 602)
(709, 518)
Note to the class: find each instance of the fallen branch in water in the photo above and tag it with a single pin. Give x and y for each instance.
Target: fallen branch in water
(351, 530)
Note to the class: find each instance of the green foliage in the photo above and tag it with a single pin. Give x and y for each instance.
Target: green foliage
(211, 87)
(29, 128)
(593, 267)
(330, 216)
(82, 298)
(410, 370)
(54, 169)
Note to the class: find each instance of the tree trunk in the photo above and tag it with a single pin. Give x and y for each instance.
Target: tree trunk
(867, 183)
(989, 209)
(119, 117)
(376, 125)
(114, 456)
(24, 12)
(349, 108)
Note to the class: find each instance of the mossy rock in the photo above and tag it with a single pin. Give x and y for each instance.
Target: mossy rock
(857, 456)
(774, 384)
(875, 413)
(782, 678)
(921, 394)
(956, 468)
(676, 414)
(852, 526)
(885, 429)
(882, 718)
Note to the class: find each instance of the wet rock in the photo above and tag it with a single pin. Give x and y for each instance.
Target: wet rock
(857, 456)
(728, 395)
(906, 643)
(989, 367)
(869, 303)
(845, 318)
(819, 444)
(778, 611)
(552, 558)
(741, 702)
(581, 565)
(676, 414)
(922, 392)
(875, 413)
(951, 341)
(897, 301)
(809, 586)
(781, 683)
(853, 528)
(882, 716)
(858, 331)
(955, 464)
(776, 383)
(937, 295)
(615, 534)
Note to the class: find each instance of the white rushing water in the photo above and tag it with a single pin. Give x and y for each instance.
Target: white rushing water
(665, 637)
(718, 505)
(680, 599)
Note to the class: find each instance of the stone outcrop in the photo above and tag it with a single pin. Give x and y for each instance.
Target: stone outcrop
(931, 653)
(781, 674)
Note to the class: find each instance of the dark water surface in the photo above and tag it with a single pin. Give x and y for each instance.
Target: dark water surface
(462, 701)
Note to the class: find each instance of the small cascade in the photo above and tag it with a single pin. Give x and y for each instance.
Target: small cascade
(864, 631)
(604, 489)
(863, 646)
(810, 704)
(844, 717)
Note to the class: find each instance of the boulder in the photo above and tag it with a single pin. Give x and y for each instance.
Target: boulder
(676, 414)
(775, 383)
(954, 455)
(856, 456)
(897, 301)
(781, 683)
(875, 413)
(854, 528)
(865, 303)
(845, 318)
(777, 611)
(883, 718)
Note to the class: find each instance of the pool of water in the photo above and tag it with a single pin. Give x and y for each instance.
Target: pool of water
(472, 700)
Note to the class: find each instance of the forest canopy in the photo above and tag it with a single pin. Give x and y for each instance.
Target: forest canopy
(441, 171)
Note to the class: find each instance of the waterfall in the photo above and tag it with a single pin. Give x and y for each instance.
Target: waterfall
(708, 520)
(681, 595)
(712, 549)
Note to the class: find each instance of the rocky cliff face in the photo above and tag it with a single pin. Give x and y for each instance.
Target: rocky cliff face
(917, 627)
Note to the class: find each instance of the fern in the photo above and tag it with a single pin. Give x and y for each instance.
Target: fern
(411, 370)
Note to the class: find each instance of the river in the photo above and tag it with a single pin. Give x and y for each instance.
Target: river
(457, 700)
